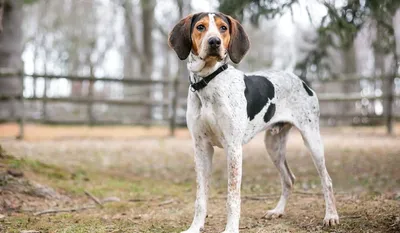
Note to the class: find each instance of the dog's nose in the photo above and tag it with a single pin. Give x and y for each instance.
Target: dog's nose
(214, 42)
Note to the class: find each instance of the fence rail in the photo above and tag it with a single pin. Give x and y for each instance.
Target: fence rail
(351, 97)
(172, 103)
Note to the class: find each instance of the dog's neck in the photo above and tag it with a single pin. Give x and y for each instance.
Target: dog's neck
(200, 68)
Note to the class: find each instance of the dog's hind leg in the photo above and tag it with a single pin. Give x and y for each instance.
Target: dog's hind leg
(276, 147)
(312, 139)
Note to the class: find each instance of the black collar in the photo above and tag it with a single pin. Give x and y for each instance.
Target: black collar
(204, 81)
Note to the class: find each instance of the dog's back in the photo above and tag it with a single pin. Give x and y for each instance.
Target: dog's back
(290, 100)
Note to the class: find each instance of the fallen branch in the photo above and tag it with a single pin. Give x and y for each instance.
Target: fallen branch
(52, 211)
(166, 202)
(95, 199)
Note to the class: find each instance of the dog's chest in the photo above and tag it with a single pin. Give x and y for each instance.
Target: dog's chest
(211, 118)
(219, 107)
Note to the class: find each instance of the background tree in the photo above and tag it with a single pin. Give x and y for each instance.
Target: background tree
(127, 39)
(11, 46)
(337, 30)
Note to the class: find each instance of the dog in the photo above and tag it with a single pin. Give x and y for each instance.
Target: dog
(227, 108)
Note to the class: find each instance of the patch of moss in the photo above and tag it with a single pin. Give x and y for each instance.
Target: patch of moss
(50, 171)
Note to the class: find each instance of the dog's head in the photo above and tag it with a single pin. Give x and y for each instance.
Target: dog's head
(210, 36)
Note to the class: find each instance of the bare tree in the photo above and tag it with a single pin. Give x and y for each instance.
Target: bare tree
(1, 14)
(11, 47)
(139, 48)
(11, 38)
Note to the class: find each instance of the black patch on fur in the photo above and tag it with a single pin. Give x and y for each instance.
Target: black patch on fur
(308, 89)
(270, 112)
(259, 90)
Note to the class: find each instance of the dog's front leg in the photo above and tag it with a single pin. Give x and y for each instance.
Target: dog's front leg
(203, 159)
(234, 158)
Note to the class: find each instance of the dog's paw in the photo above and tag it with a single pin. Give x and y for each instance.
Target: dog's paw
(271, 214)
(331, 220)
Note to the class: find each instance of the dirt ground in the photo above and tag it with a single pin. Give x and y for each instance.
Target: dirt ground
(149, 180)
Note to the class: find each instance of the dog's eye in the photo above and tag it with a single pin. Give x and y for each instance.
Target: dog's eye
(200, 27)
(223, 28)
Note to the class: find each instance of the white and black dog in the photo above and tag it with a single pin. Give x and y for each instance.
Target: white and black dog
(227, 108)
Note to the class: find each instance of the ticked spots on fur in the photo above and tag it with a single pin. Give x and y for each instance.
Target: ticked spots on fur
(258, 92)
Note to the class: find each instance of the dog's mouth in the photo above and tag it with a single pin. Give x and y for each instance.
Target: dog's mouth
(214, 54)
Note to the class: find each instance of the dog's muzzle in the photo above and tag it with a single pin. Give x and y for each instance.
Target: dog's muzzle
(214, 47)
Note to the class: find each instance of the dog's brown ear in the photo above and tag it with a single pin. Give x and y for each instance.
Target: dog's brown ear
(180, 39)
(239, 43)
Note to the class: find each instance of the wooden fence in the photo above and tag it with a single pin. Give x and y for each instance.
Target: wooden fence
(172, 103)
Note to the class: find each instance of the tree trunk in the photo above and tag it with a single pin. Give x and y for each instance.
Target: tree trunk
(349, 69)
(1, 14)
(10, 51)
(131, 51)
(146, 66)
(11, 42)
(394, 72)
(133, 60)
(167, 76)
(184, 9)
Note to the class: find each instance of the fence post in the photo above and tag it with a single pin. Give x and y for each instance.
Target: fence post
(174, 103)
(44, 105)
(389, 107)
(90, 116)
(21, 134)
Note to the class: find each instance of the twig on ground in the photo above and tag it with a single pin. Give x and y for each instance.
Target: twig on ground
(52, 211)
(138, 200)
(259, 198)
(318, 193)
(166, 202)
(351, 216)
(253, 197)
(95, 199)
(135, 218)
(309, 224)
(110, 199)
(308, 193)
